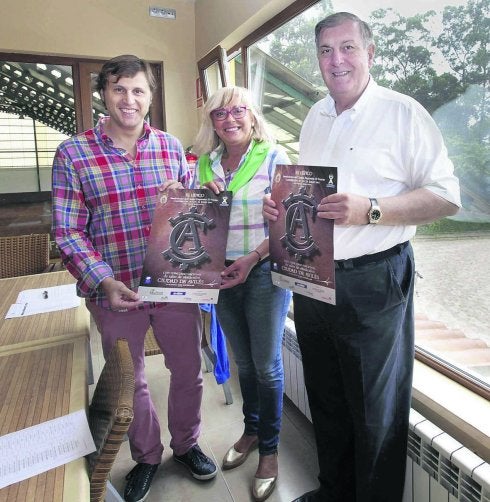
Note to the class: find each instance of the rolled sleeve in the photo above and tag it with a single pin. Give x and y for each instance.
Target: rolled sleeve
(434, 170)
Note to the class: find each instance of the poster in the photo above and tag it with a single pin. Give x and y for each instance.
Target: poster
(186, 249)
(301, 243)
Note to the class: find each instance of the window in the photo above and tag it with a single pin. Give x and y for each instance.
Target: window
(212, 72)
(440, 57)
(37, 104)
(43, 100)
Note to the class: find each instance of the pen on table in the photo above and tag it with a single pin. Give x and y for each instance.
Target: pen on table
(24, 309)
(45, 294)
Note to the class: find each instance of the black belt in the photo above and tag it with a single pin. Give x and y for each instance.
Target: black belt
(370, 258)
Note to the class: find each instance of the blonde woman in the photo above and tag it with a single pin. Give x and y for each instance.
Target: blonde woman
(237, 153)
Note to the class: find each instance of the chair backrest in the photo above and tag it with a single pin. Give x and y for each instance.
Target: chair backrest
(110, 414)
(151, 345)
(23, 254)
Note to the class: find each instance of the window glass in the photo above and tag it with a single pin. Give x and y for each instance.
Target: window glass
(213, 78)
(284, 75)
(40, 106)
(235, 65)
(439, 57)
(36, 113)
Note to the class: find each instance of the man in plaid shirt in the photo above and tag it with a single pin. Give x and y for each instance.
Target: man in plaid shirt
(105, 184)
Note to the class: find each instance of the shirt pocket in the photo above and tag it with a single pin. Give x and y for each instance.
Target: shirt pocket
(372, 171)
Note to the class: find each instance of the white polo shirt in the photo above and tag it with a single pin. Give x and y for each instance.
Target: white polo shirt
(386, 145)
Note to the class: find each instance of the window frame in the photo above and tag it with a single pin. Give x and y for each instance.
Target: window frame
(81, 69)
(217, 55)
(82, 95)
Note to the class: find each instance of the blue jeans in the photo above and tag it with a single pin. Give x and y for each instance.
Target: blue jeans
(358, 361)
(252, 316)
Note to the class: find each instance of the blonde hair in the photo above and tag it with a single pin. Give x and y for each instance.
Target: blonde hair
(207, 140)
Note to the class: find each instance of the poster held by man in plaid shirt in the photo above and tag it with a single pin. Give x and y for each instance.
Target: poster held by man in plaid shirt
(186, 250)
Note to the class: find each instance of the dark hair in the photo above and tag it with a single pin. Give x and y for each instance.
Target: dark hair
(126, 65)
(341, 17)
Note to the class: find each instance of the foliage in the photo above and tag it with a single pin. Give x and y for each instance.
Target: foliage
(405, 49)
(448, 226)
(403, 46)
(465, 123)
(294, 43)
(464, 41)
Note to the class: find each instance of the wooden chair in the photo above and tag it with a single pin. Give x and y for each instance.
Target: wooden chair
(110, 414)
(24, 255)
(151, 345)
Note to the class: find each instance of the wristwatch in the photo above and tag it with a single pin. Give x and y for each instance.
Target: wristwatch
(374, 213)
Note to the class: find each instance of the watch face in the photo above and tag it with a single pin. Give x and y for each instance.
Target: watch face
(375, 214)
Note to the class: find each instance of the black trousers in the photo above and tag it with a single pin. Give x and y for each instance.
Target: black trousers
(358, 364)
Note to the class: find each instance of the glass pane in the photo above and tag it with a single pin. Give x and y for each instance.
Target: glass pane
(213, 78)
(236, 70)
(36, 114)
(284, 75)
(435, 57)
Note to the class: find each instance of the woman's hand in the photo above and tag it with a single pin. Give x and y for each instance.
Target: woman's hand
(214, 187)
(238, 271)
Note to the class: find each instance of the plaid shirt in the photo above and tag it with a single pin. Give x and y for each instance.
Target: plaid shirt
(103, 203)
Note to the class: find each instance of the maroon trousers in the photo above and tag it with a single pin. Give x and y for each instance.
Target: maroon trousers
(177, 328)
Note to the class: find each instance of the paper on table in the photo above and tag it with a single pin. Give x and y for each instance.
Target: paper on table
(37, 301)
(37, 449)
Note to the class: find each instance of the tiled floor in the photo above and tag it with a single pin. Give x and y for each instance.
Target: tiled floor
(221, 426)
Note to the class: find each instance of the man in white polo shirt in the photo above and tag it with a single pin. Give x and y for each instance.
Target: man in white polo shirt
(393, 174)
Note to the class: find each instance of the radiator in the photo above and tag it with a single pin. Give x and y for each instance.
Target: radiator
(439, 468)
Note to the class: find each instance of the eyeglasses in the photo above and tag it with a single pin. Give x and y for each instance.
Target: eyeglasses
(237, 112)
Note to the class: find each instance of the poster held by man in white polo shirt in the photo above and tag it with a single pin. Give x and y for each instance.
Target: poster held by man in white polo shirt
(186, 249)
(300, 243)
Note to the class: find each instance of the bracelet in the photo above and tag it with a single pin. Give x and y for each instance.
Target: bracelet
(258, 254)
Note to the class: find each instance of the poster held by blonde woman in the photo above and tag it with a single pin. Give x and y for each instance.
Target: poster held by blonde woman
(237, 153)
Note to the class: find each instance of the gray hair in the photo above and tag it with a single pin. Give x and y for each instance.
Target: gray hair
(339, 18)
(207, 140)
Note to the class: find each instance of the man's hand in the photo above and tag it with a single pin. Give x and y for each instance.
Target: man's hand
(120, 297)
(170, 184)
(269, 211)
(238, 271)
(345, 208)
